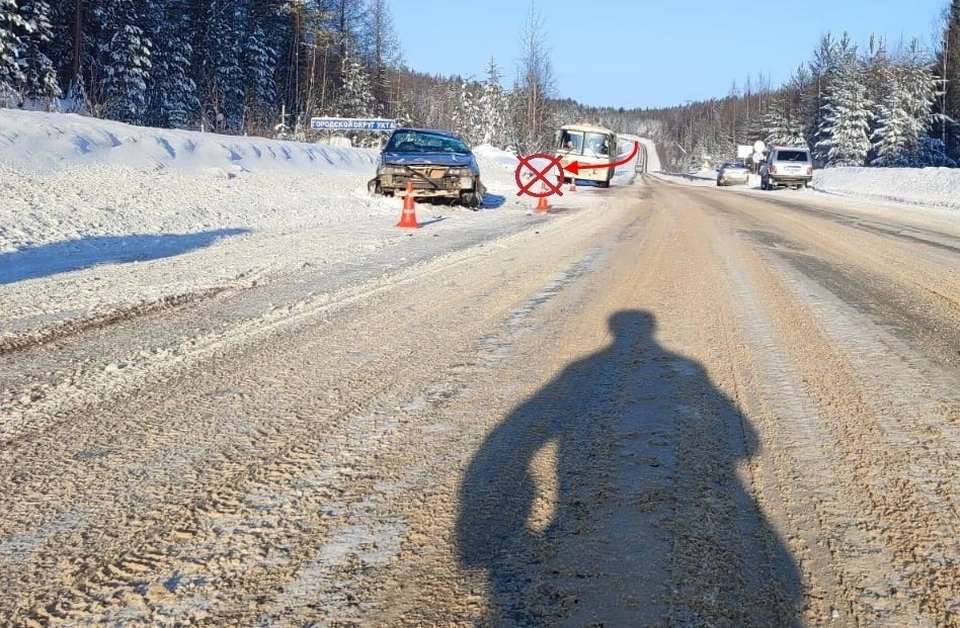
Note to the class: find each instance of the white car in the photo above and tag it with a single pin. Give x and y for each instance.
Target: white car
(786, 165)
(730, 174)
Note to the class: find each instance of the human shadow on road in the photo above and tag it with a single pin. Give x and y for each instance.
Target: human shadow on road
(611, 498)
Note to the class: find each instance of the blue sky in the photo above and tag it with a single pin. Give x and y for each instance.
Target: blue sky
(640, 53)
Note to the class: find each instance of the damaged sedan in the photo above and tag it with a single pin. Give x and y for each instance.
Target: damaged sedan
(438, 164)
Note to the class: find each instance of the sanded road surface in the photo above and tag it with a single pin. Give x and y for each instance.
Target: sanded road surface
(686, 407)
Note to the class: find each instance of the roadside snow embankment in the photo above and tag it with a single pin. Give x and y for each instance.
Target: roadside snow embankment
(37, 142)
(99, 216)
(919, 186)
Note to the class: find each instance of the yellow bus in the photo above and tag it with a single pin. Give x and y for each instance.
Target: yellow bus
(587, 144)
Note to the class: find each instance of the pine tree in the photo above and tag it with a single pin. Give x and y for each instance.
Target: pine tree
(948, 70)
(781, 125)
(382, 50)
(844, 133)
(905, 115)
(123, 60)
(261, 88)
(467, 114)
(172, 93)
(217, 64)
(40, 77)
(11, 68)
(493, 108)
(356, 97)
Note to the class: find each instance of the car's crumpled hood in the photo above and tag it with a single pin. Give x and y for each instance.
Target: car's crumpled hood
(429, 159)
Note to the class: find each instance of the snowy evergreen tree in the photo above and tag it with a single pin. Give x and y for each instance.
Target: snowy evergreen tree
(493, 108)
(11, 70)
(933, 154)
(896, 135)
(844, 133)
(217, 64)
(781, 126)
(260, 65)
(875, 70)
(355, 98)
(905, 116)
(172, 93)
(467, 114)
(123, 60)
(39, 75)
(948, 70)
(820, 69)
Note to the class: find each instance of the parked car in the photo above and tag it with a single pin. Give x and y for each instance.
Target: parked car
(786, 165)
(438, 163)
(731, 173)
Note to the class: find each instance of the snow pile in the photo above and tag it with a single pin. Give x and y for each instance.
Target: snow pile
(919, 186)
(34, 141)
(494, 155)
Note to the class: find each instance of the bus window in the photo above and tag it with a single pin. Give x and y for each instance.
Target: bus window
(597, 144)
(571, 142)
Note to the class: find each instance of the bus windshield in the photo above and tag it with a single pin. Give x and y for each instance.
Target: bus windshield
(597, 145)
(590, 144)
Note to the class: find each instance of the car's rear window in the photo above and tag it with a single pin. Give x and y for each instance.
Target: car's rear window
(793, 155)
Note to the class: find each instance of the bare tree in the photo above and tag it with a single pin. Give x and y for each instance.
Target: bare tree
(535, 87)
(383, 49)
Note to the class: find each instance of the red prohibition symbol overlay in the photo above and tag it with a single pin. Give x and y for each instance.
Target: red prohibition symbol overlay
(540, 175)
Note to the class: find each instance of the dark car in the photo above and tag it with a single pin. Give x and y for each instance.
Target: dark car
(439, 164)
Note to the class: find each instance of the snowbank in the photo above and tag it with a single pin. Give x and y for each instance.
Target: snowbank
(920, 186)
(492, 154)
(33, 141)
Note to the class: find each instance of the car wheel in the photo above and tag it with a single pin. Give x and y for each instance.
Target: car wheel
(471, 200)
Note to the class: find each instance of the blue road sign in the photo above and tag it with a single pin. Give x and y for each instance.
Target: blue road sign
(352, 124)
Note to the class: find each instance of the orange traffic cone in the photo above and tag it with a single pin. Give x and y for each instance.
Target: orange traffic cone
(573, 184)
(408, 218)
(542, 204)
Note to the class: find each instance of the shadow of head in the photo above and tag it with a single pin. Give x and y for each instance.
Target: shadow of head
(627, 324)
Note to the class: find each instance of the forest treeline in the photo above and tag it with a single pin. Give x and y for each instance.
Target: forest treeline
(265, 67)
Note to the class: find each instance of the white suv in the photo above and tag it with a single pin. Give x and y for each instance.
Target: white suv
(786, 166)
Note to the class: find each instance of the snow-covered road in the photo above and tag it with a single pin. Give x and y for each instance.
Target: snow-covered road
(242, 396)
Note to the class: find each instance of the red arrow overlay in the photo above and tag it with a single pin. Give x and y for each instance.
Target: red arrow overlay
(575, 166)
